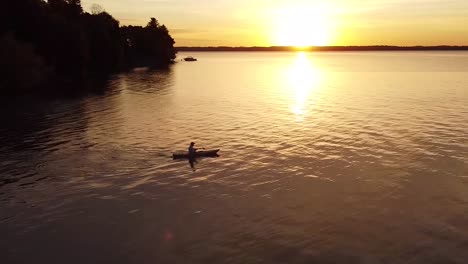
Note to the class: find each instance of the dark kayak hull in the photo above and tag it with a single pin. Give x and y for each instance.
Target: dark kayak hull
(202, 153)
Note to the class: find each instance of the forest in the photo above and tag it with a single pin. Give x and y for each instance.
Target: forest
(54, 46)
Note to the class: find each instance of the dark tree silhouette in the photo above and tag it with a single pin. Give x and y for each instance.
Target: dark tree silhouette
(151, 45)
(154, 24)
(104, 43)
(21, 66)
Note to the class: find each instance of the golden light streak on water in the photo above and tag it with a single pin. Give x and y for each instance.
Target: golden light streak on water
(301, 78)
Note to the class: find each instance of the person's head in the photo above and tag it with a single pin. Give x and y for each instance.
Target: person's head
(192, 143)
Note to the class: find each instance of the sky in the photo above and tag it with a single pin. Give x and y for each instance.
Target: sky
(299, 22)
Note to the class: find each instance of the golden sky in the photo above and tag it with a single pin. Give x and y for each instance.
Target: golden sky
(300, 22)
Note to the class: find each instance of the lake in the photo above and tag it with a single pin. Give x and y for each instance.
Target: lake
(338, 157)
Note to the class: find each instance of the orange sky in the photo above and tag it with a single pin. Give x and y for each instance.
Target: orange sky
(300, 22)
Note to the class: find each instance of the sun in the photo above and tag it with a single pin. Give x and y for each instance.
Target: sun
(301, 27)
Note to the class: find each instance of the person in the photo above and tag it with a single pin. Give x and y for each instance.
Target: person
(192, 150)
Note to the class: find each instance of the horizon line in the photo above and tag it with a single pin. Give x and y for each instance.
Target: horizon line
(322, 48)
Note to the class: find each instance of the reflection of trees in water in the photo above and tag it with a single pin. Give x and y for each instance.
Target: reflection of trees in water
(133, 100)
(100, 86)
(146, 80)
(34, 129)
(29, 123)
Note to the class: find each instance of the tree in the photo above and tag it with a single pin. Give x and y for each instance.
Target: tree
(21, 68)
(75, 7)
(151, 45)
(153, 24)
(104, 43)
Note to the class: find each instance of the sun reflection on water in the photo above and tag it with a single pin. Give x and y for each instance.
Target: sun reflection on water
(301, 78)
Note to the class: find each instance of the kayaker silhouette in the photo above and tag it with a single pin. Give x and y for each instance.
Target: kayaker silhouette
(192, 150)
(192, 155)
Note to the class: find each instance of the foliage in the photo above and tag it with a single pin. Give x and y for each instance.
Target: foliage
(148, 45)
(22, 67)
(72, 45)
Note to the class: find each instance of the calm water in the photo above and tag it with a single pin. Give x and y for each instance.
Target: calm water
(325, 158)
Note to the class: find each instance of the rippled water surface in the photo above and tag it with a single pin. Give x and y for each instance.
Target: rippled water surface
(325, 158)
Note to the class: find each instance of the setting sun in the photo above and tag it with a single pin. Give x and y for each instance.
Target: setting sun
(301, 27)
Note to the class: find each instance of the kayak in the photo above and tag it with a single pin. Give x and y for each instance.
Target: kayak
(201, 153)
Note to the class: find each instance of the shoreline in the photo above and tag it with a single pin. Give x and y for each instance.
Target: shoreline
(327, 48)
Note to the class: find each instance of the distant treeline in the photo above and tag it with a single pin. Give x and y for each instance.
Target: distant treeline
(54, 43)
(326, 48)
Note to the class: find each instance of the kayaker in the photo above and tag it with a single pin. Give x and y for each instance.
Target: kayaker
(192, 150)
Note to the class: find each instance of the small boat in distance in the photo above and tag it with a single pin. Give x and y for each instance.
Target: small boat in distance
(201, 153)
(190, 58)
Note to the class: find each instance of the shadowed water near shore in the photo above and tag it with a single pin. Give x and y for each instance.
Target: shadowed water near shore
(325, 158)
